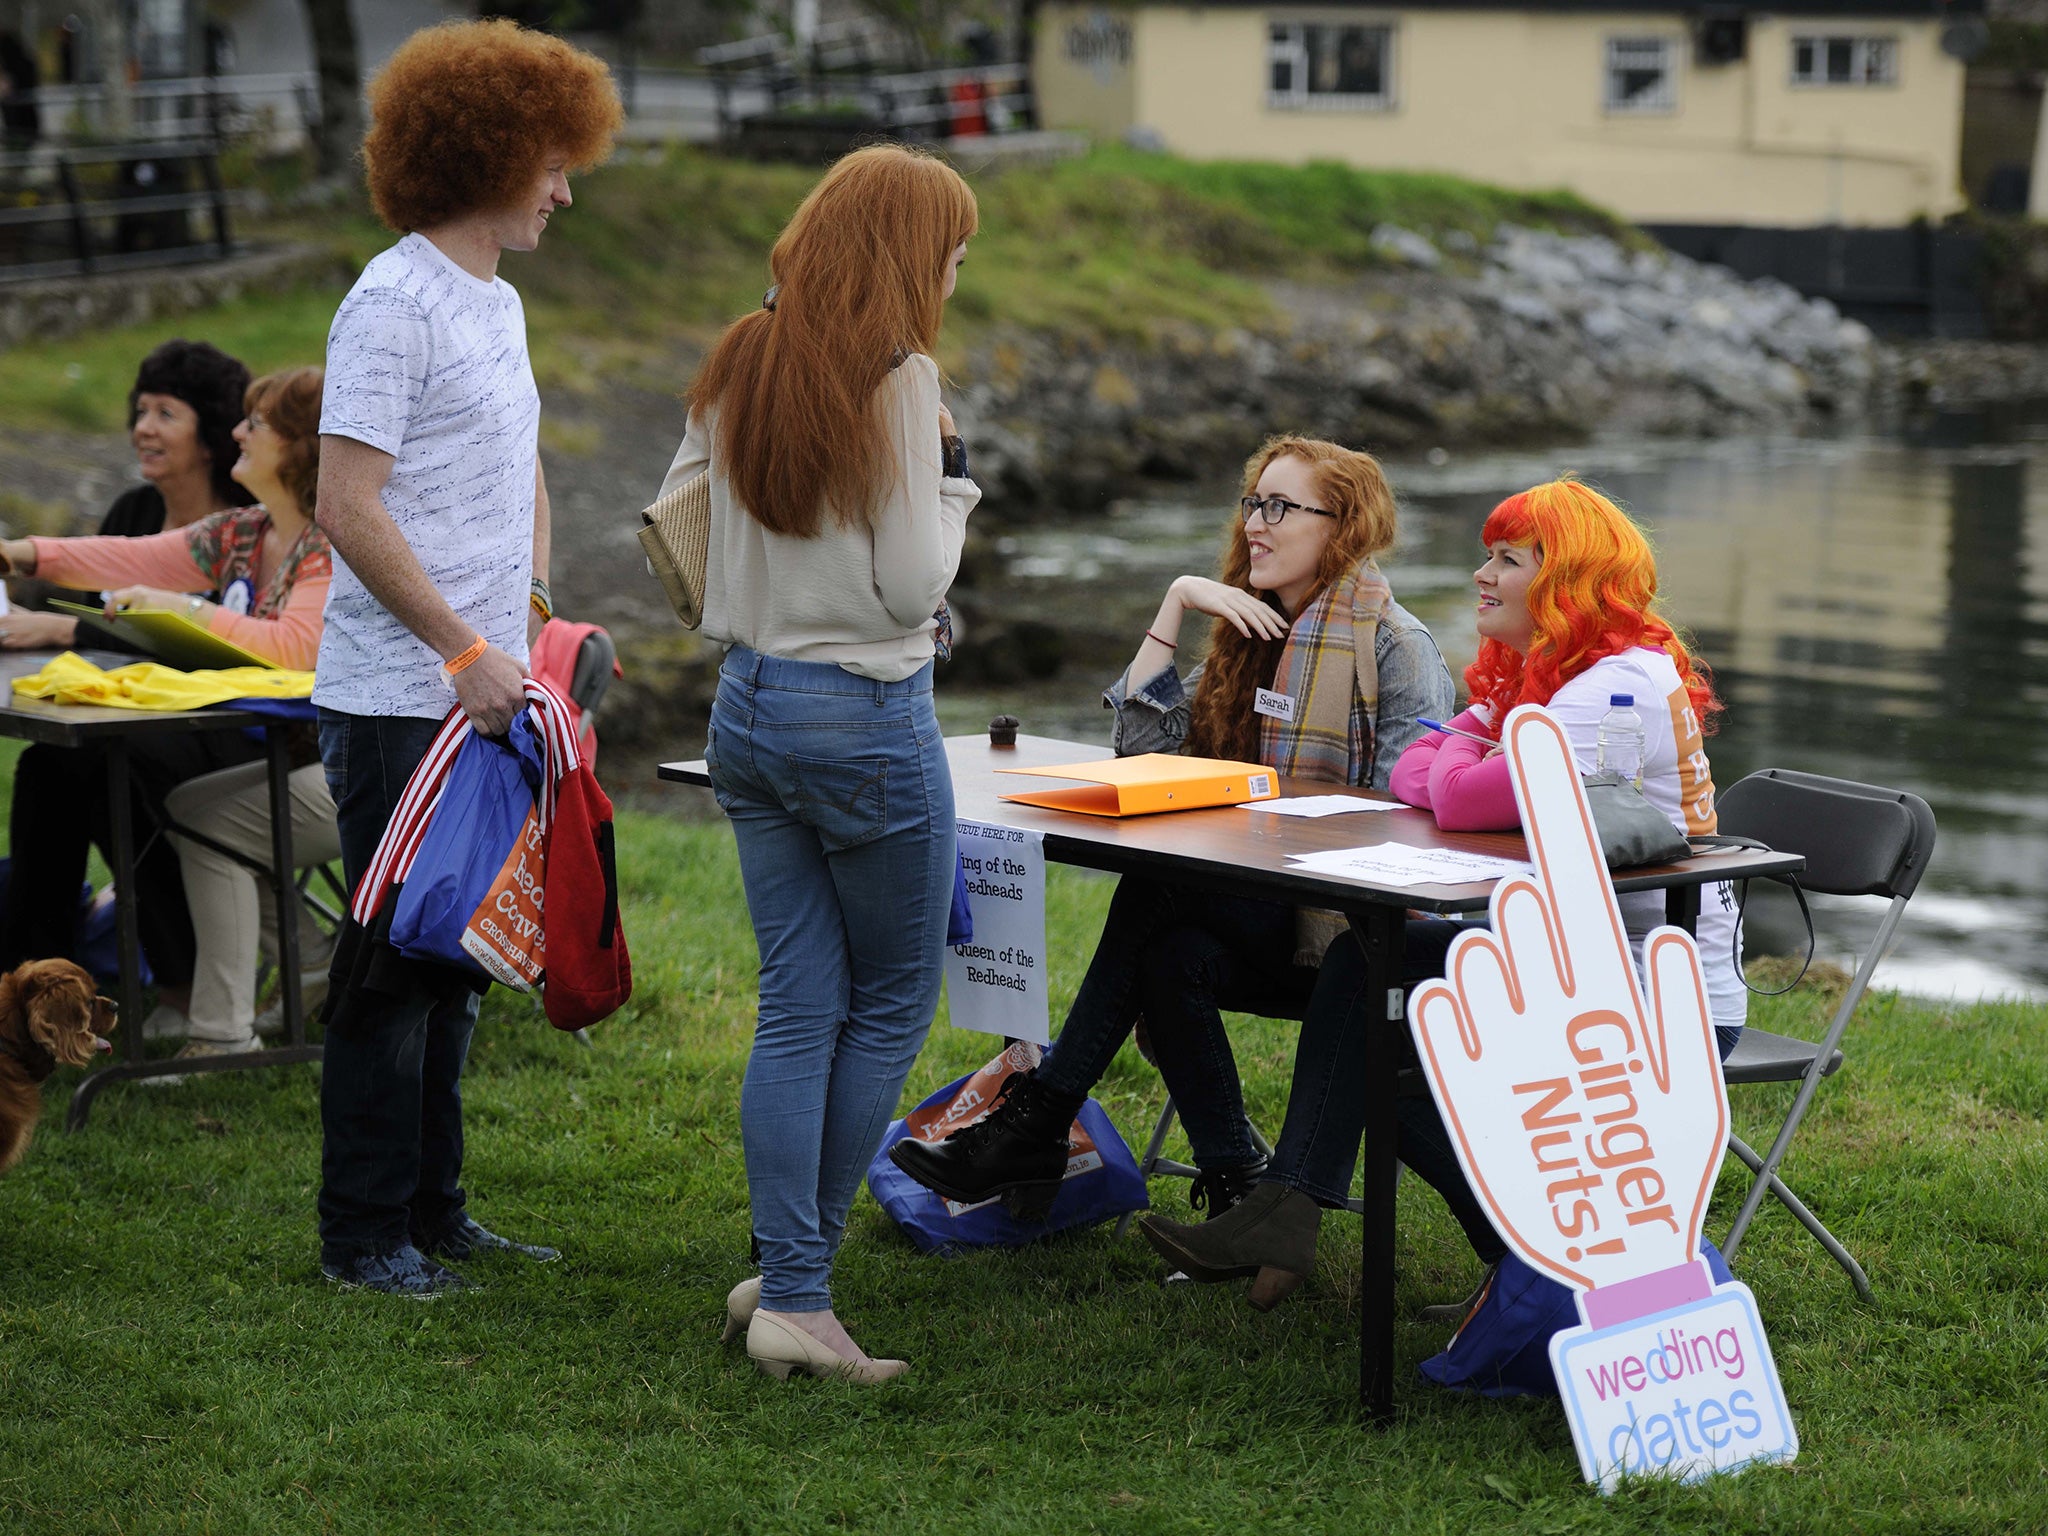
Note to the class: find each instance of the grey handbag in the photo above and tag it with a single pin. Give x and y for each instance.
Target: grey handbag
(1632, 831)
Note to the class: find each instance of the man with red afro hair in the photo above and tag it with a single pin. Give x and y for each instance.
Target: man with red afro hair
(431, 491)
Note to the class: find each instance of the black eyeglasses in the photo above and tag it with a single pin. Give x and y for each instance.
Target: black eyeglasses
(1273, 508)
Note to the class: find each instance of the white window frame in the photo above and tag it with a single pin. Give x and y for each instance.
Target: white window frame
(1861, 45)
(1662, 104)
(1295, 52)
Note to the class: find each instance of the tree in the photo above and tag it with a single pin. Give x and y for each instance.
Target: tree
(339, 68)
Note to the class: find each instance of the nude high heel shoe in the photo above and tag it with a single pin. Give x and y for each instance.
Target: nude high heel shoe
(740, 1303)
(779, 1349)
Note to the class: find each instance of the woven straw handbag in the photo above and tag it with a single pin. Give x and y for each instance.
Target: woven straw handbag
(675, 534)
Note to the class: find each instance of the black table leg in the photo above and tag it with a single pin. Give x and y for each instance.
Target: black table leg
(128, 937)
(283, 878)
(1380, 934)
(1682, 907)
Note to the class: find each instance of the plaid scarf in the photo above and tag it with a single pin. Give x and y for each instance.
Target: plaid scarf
(1329, 668)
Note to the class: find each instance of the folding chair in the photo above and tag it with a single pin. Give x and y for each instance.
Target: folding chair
(1154, 1162)
(1858, 840)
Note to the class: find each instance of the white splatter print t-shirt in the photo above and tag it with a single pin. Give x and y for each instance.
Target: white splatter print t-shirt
(429, 364)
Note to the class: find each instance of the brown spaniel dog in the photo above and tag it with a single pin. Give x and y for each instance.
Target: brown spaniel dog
(50, 1013)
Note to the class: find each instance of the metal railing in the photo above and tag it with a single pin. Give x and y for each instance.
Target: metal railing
(201, 107)
(846, 70)
(79, 212)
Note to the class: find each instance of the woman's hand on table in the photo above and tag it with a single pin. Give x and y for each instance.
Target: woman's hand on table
(1252, 617)
(23, 631)
(151, 597)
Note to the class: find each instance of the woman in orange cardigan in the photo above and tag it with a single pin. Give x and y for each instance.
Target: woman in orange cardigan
(256, 576)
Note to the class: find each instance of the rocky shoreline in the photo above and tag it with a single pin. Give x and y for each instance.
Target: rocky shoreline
(1537, 337)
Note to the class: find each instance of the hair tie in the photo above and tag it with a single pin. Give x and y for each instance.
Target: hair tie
(768, 298)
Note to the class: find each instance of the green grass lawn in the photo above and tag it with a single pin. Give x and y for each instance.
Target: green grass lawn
(170, 1359)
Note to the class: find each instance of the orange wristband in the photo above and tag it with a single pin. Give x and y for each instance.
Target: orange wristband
(476, 649)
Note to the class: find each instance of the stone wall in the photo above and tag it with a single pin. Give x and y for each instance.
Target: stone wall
(52, 308)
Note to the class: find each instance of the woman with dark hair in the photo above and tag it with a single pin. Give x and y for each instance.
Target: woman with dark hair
(839, 502)
(270, 567)
(1315, 671)
(182, 414)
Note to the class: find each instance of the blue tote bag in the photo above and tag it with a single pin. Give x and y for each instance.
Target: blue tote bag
(1101, 1182)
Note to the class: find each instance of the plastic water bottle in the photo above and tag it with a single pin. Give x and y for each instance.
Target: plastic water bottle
(1621, 739)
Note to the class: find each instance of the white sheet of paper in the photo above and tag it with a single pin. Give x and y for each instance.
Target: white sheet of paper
(1318, 805)
(1400, 864)
(996, 983)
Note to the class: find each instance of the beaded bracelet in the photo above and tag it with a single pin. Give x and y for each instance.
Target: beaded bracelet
(459, 663)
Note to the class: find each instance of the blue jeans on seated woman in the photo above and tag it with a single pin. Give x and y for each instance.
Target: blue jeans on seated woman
(1318, 1149)
(1179, 959)
(842, 805)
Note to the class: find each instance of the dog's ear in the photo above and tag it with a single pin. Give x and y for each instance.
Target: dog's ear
(60, 1009)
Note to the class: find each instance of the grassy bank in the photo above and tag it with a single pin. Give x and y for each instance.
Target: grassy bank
(171, 1360)
(659, 252)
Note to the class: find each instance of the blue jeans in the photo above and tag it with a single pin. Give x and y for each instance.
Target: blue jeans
(391, 1078)
(842, 805)
(1179, 959)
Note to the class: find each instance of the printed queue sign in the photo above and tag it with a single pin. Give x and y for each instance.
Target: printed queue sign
(1591, 1120)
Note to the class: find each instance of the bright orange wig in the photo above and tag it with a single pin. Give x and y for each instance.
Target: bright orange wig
(1594, 596)
(465, 116)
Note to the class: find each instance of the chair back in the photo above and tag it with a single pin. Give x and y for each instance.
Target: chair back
(1857, 839)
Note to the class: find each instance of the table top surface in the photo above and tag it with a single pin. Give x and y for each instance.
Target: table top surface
(67, 724)
(1250, 849)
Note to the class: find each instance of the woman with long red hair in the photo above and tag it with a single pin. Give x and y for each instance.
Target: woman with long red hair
(1314, 670)
(1567, 619)
(839, 500)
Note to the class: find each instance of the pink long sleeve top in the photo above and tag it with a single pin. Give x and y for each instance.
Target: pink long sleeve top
(217, 554)
(1457, 782)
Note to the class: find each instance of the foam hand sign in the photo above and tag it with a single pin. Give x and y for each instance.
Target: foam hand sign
(1590, 1119)
(1590, 1122)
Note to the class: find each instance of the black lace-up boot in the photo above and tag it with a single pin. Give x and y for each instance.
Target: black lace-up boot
(1216, 1190)
(1017, 1151)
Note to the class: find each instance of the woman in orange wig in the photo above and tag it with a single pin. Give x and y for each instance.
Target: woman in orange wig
(839, 500)
(1567, 620)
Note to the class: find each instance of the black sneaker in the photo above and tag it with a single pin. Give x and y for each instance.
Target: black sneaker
(1216, 1190)
(466, 1238)
(407, 1272)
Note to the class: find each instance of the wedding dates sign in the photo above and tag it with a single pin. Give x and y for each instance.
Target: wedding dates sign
(1590, 1119)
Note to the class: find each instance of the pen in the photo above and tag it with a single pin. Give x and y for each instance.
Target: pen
(1452, 730)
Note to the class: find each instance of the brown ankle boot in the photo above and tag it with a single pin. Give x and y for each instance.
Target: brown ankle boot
(1272, 1231)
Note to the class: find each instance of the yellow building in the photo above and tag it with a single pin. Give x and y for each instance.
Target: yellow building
(1805, 115)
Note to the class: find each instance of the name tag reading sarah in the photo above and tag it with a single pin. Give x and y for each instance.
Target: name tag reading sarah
(1274, 706)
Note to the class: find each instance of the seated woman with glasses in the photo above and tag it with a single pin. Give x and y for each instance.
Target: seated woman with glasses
(1313, 670)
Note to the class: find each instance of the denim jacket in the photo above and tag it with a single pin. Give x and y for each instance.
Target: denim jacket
(1414, 685)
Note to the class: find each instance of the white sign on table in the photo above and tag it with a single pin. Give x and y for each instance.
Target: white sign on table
(996, 982)
(1590, 1121)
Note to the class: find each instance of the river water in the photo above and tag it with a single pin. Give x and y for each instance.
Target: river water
(1874, 609)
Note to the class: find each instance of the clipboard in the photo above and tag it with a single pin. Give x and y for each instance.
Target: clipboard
(1148, 784)
(168, 637)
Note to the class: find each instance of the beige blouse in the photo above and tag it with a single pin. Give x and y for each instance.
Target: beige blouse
(860, 599)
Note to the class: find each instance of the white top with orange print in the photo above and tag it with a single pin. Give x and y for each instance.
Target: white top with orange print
(1679, 781)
